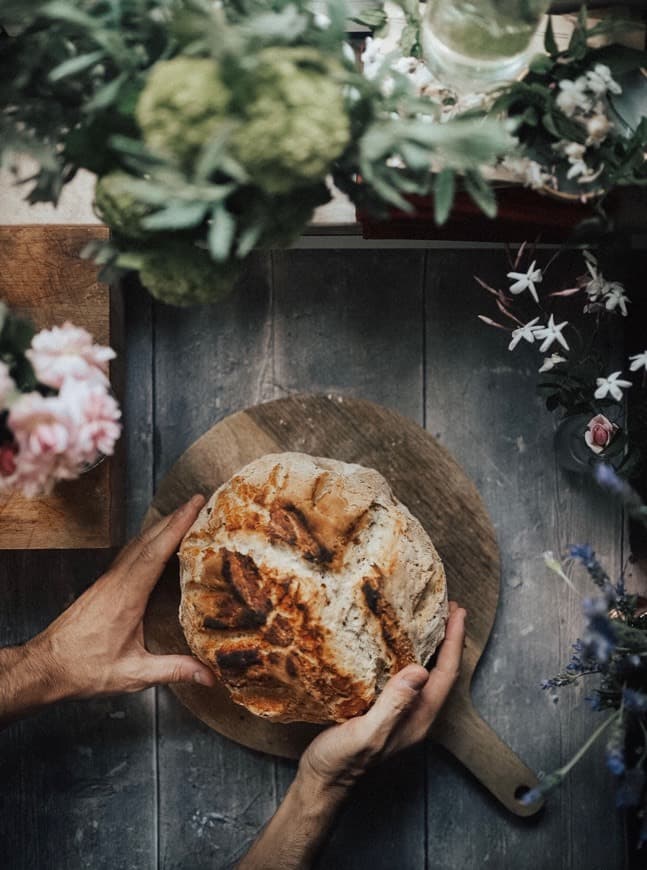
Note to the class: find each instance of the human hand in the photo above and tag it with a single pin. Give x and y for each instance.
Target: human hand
(401, 716)
(96, 646)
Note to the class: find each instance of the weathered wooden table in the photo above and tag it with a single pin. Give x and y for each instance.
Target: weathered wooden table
(136, 782)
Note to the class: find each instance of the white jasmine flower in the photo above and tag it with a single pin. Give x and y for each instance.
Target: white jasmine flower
(552, 332)
(551, 361)
(615, 297)
(373, 56)
(597, 286)
(531, 173)
(598, 127)
(526, 281)
(527, 333)
(612, 385)
(405, 65)
(574, 152)
(638, 361)
(572, 96)
(600, 81)
(421, 77)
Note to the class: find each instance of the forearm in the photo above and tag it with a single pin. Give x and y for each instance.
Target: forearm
(294, 834)
(27, 681)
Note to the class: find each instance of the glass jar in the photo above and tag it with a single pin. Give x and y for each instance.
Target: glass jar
(477, 44)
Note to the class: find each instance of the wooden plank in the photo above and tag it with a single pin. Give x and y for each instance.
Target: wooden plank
(213, 795)
(482, 404)
(77, 778)
(42, 277)
(350, 322)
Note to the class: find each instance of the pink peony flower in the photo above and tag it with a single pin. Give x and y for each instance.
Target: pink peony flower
(68, 352)
(44, 435)
(7, 385)
(8, 459)
(96, 416)
(600, 432)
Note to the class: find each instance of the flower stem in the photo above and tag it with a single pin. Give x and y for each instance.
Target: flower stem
(584, 749)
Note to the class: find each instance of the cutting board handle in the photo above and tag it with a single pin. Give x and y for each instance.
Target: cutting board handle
(466, 735)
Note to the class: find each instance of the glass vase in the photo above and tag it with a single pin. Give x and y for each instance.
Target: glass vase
(477, 45)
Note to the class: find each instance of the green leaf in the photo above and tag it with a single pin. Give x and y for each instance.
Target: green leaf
(106, 95)
(541, 64)
(221, 233)
(69, 12)
(444, 185)
(549, 39)
(577, 45)
(75, 65)
(248, 238)
(16, 335)
(376, 19)
(481, 192)
(410, 40)
(177, 216)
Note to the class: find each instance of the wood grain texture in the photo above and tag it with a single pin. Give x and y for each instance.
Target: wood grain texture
(351, 323)
(214, 796)
(43, 278)
(77, 779)
(482, 404)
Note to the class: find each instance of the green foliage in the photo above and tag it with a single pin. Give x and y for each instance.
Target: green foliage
(15, 337)
(541, 123)
(179, 273)
(295, 123)
(182, 106)
(214, 130)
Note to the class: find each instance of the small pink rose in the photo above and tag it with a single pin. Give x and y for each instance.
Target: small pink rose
(600, 432)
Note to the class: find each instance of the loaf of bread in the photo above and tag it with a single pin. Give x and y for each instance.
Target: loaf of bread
(306, 584)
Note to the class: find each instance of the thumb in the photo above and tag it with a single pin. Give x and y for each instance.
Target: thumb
(397, 697)
(177, 669)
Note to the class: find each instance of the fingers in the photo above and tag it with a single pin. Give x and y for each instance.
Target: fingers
(450, 654)
(156, 670)
(396, 699)
(440, 682)
(153, 551)
(133, 547)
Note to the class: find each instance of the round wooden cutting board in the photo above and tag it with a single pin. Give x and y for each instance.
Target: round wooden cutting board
(429, 481)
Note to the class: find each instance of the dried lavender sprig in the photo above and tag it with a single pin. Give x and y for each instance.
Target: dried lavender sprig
(607, 478)
(615, 754)
(634, 700)
(585, 554)
(553, 780)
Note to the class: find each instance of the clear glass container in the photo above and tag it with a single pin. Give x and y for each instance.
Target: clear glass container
(477, 44)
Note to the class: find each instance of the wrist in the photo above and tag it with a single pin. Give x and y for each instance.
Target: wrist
(331, 786)
(46, 680)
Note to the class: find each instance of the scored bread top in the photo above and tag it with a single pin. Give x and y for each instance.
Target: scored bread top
(306, 584)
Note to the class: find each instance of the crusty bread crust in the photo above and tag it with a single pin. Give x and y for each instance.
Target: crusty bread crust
(306, 584)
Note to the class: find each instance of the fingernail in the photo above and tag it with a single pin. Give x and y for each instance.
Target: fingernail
(201, 678)
(415, 679)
